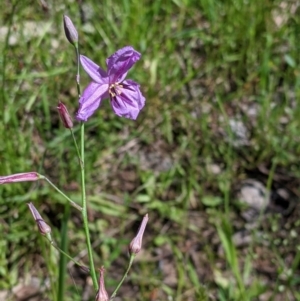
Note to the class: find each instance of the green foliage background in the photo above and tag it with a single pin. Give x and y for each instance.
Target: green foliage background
(204, 63)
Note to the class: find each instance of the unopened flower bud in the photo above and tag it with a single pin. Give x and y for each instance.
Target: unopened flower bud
(102, 293)
(43, 227)
(136, 244)
(20, 177)
(65, 116)
(70, 31)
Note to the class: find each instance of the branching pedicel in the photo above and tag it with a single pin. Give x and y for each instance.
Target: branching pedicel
(126, 100)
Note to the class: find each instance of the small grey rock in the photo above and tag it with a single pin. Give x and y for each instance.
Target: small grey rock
(255, 195)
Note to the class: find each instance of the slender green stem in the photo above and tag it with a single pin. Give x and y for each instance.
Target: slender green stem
(83, 193)
(58, 190)
(123, 278)
(67, 255)
(78, 70)
(84, 213)
(63, 258)
(76, 145)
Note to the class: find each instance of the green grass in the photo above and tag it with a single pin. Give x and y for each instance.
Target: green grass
(204, 63)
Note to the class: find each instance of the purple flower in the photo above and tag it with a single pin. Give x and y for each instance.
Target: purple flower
(125, 96)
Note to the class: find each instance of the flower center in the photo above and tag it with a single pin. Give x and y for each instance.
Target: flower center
(115, 89)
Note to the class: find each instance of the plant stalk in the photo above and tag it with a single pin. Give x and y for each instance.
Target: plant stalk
(123, 278)
(63, 258)
(84, 213)
(64, 195)
(78, 70)
(67, 255)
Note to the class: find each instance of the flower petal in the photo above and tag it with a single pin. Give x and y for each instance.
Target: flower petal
(129, 103)
(93, 70)
(134, 90)
(120, 62)
(90, 100)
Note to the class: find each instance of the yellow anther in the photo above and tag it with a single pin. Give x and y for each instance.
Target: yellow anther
(115, 89)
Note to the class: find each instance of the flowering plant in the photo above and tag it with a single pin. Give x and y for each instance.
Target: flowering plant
(127, 101)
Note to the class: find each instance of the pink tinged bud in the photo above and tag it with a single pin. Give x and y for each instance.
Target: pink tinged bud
(43, 227)
(102, 293)
(70, 30)
(136, 244)
(65, 116)
(20, 177)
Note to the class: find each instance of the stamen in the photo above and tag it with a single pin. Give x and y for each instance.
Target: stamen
(115, 89)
